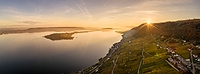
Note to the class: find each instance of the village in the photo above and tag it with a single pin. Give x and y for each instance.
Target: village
(179, 63)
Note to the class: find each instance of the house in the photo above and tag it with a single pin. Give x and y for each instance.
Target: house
(182, 68)
(198, 46)
(197, 59)
(188, 60)
(195, 56)
(172, 61)
(184, 41)
(182, 60)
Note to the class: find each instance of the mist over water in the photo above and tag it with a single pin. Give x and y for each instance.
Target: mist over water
(32, 53)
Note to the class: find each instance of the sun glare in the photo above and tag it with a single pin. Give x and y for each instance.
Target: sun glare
(148, 22)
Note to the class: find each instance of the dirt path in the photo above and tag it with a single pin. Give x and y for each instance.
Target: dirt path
(141, 61)
(114, 63)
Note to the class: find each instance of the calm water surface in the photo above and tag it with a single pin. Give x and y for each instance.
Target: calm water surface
(31, 53)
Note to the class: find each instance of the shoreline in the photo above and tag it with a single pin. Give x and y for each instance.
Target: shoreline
(94, 68)
(115, 47)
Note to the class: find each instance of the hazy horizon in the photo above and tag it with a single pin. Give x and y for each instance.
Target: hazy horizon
(94, 13)
(99, 36)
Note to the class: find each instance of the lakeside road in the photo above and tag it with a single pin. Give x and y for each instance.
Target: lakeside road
(95, 68)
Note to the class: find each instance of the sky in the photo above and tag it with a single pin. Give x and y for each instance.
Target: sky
(94, 13)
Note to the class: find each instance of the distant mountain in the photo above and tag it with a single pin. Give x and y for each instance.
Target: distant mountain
(39, 29)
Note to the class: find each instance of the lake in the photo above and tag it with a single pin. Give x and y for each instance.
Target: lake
(32, 53)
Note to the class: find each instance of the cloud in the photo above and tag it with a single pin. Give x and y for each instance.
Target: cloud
(82, 6)
(147, 12)
(29, 22)
(81, 9)
(106, 3)
(12, 11)
(165, 2)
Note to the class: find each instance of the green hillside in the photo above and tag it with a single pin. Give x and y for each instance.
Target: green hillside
(156, 48)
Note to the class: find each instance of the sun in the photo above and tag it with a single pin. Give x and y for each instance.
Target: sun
(148, 22)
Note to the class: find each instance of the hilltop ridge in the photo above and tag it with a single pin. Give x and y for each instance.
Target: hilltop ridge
(184, 29)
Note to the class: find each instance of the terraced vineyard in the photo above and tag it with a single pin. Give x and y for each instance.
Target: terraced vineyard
(154, 49)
